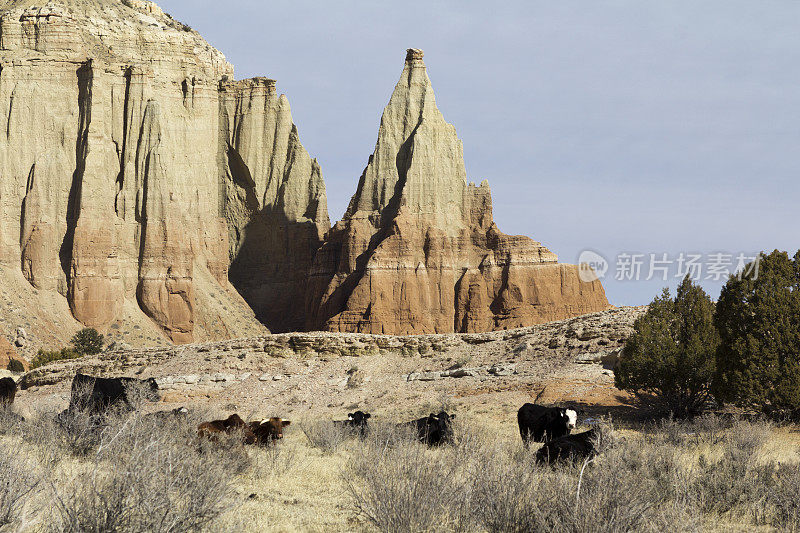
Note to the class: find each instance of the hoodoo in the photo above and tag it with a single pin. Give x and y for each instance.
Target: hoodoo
(136, 172)
(417, 250)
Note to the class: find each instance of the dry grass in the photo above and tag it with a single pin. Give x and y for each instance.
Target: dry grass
(714, 474)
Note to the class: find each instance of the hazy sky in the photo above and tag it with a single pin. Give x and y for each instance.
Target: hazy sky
(621, 126)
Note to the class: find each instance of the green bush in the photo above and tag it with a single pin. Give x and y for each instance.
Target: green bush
(669, 361)
(87, 342)
(44, 357)
(758, 318)
(15, 365)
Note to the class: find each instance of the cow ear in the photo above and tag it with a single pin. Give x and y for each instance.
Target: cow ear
(286, 422)
(367, 415)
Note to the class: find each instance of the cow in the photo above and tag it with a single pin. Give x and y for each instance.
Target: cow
(96, 395)
(268, 431)
(258, 432)
(541, 424)
(432, 430)
(8, 391)
(570, 447)
(355, 421)
(229, 426)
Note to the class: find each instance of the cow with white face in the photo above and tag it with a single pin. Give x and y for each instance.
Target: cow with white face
(538, 423)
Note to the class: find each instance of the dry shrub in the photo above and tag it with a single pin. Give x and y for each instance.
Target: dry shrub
(10, 422)
(20, 480)
(736, 482)
(625, 489)
(278, 459)
(783, 499)
(326, 435)
(478, 485)
(147, 475)
(406, 488)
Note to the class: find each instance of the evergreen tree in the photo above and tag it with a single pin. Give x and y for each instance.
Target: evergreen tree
(87, 342)
(758, 318)
(669, 361)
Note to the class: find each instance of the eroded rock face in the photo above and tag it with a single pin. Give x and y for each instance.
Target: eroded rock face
(277, 209)
(418, 251)
(116, 182)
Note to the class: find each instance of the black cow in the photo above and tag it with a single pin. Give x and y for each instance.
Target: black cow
(355, 421)
(433, 430)
(97, 395)
(8, 391)
(570, 447)
(541, 424)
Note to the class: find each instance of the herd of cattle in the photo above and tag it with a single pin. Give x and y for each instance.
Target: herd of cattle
(95, 396)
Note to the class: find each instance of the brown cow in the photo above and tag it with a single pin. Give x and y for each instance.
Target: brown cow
(269, 430)
(228, 426)
(8, 391)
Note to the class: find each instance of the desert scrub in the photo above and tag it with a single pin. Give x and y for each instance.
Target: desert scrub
(15, 365)
(128, 473)
(20, 479)
(674, 476)
(44, 357)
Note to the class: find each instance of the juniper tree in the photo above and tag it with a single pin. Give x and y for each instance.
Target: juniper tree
(758, 318)
(669, 361)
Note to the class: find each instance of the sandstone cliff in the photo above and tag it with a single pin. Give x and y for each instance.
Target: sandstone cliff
(135, 171)
(417, 250)
(149, 194)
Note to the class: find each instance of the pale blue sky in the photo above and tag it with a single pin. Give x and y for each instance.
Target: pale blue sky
(641, 126)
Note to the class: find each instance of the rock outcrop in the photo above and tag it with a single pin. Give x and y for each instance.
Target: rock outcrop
(418, 251)
(147, 193)
(553, 345)
(135, 171)
(277, 210)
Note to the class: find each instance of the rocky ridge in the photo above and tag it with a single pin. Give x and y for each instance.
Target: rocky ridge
(600, 334)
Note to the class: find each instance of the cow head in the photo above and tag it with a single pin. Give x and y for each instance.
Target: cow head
(151, 390)
(270, 429)
(442, 422)
(570, 417)
(234, 421)
(359, 418)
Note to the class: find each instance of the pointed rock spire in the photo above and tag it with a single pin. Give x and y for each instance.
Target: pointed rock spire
(417, 250)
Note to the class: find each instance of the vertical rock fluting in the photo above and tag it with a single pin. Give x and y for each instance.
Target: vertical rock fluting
(275, 205)
(417, 250)
(142, 185)
(114, 192)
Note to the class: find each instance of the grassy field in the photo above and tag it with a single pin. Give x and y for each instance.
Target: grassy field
(141, 474)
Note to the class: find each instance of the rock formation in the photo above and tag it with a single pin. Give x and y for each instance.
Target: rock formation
(417, 250)
(277, 210)
(136, 171)
(143, 187)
